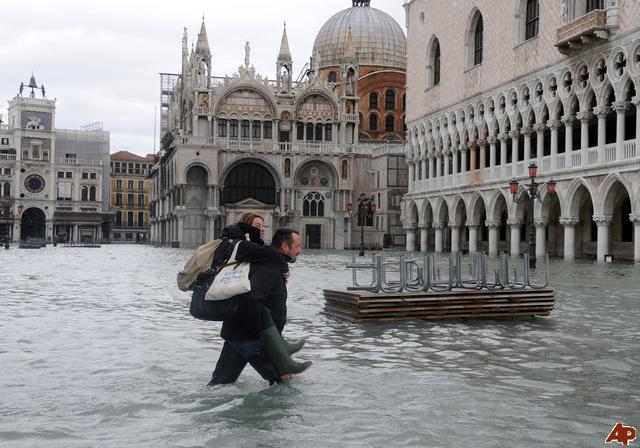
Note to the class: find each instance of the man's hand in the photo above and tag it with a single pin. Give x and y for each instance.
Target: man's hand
(286, 275)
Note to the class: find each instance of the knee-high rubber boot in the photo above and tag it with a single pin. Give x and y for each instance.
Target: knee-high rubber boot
(294, 346)
(277, 350)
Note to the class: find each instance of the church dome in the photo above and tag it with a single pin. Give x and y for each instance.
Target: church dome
(377, 39)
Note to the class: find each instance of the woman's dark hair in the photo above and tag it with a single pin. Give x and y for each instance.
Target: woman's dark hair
(247, 218)
(283, 235)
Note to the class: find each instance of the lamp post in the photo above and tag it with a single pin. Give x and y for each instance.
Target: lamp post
(283, 219)
(366, 210)
(532, 194)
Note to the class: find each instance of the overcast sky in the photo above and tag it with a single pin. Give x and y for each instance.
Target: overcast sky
(101, 59)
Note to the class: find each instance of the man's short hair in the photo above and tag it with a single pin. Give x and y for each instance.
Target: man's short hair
(284, 235)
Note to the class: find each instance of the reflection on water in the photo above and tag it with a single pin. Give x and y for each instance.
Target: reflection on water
(97, 348)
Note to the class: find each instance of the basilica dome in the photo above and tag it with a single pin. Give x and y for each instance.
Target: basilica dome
(377, 39)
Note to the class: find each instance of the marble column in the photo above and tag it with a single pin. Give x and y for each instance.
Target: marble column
(539, 128)
(463, 164)
(455, 162)
(635, 219)
(621, 108)
(503, 148)
(541, 239)
(455, 238)
(473, 236)
(569, 225)
(527, 143)
(584, 118)
(603, 222)
(569, 121)
(636, 102)
(553, 126)
(424, 232)
(601, 113)
(493, 237)
(514, 225)
(439, 246)
(432, 164)
(424, 168)
(411, 239)
(514, 150)
(492, 152)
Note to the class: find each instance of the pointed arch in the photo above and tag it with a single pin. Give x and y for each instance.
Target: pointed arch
(458, 210)
(611, 187)
(426, 213)
(476, 205)
(573, 197)
(493, 207)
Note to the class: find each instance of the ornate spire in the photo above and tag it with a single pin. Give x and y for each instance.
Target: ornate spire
(349, 53)
(285, 53)
(202, 47)
(185, 46)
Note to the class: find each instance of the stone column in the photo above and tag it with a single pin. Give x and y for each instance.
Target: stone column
(411, 177)
(76, 233)
(446, 162)
(438, 227)
(455, 162)
(493, 237)
(636, 102)
(514, 149)
(492, 152)
(411, 239)
(603, 222)
(438, 164)
(424, 168)
(635, 219)
(541, 239)
(423, 238)
(554, 125)
(584, 118)
(621, 108)
(514, 225)
(180, 235)
(503, 148)
(601, 113)
(473, 236)
(431, 165)
(527, 143)
(539, 128)
(569, 225)
(568, 121)
(463, 162)
(455, 238)
(473, 148)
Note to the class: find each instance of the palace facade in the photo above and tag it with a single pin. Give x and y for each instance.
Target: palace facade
(546, 81)
(55, 182)
(298, 152)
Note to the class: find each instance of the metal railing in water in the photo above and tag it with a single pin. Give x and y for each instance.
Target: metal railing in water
(411, 275)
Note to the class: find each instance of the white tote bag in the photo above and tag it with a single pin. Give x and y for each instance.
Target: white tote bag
(232, 280)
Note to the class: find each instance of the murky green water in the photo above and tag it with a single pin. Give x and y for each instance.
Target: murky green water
(97, 349)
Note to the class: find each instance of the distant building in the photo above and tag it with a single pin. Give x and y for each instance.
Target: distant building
(130, 196)
(55, 179)
(297, 152)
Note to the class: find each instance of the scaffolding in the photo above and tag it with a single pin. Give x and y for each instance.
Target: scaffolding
(167, 83)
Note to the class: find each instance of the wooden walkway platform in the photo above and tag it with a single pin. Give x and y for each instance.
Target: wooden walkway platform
(362, 306)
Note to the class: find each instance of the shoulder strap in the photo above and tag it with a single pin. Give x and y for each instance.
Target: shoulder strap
(232, 258)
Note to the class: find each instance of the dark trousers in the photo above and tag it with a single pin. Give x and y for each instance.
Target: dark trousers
(234, 358)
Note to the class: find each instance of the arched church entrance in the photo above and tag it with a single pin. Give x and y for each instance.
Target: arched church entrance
(249, 180)
(33, 224)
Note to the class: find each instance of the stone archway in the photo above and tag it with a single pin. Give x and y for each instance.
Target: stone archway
(33, 224)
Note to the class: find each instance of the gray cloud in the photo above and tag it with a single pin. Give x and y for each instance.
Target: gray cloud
(101, 59)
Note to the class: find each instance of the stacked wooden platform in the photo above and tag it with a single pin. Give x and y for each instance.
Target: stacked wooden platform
(362, 306)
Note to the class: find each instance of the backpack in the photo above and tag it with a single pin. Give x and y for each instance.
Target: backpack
(200, 262)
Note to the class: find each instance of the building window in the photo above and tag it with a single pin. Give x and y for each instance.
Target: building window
(373, 121)
(140, 185)
(373, 100)
(319, 128)
(85, 175)
(592, 5)
(344, 169)
(137, 168)
(390, 123)
(117, 167)
(267, 130)
(118, 219)
(287, 167)
(332, 77)
(5, 141)
(119, 184)
(244, 129)
(222, 128)
(435, 60)
(117, 236)
(92, 175)
(140, 219)
(92, 193)
(130, 185)
(532, 19)
(256, 130)
(130, 200)
(118, 200)
(60, 174)
(390, 100)
(327, 132)
(85, 194)
(233, 128)
(69, 156)
(310, 131)
(300, 131)
(313, 205)
(478, 41)
(140, 200)
(130, 222)
(68, 175)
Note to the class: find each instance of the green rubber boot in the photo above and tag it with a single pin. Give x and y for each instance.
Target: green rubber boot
(294, 346)
(277, 349)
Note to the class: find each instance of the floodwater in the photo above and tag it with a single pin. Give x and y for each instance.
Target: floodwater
(97, 348)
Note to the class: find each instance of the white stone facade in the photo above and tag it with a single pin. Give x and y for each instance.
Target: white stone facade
(565, 98)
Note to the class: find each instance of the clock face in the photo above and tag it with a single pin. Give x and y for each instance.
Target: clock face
(34, 183)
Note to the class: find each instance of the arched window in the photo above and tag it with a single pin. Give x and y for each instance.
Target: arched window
(435, 61)
(332, 77)
(390, 100)
(85, 194)
(373, 121)
(344, 169)
(532, 19)
(478, 32)
(313, 205)
(389, 123)
(287, 167)
(373, 100)
(92, 193)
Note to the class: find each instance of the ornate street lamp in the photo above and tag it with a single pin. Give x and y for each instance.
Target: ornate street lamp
(366, 210)
(533, 194)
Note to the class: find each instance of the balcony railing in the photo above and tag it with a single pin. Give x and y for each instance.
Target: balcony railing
(78, 162)
(578, 31)
(7, 157)
(562, 163)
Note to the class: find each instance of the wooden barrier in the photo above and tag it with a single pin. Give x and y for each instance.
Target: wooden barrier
(362, 306)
